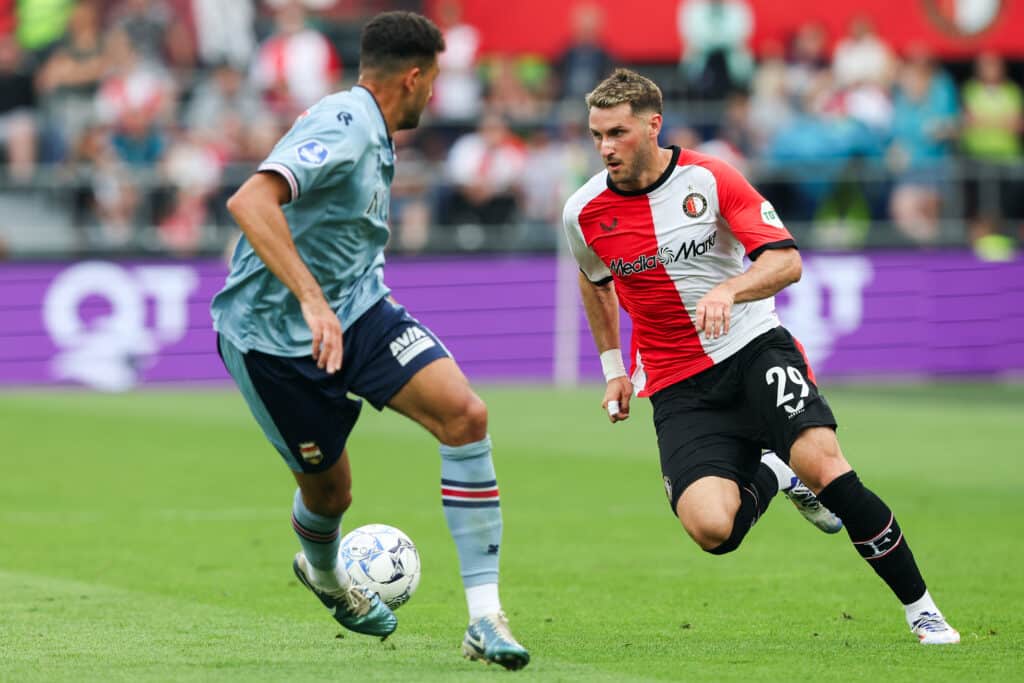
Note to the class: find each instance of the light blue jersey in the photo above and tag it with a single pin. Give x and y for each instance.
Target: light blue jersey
(338, 161)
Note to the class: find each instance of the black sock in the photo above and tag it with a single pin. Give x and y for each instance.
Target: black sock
(754, 499)
(875, 534)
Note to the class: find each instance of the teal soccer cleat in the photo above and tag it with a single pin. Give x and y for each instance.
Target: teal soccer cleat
(489, 639)
(356, 608)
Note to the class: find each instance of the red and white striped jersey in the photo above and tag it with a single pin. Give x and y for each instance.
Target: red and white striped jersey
(665, 247)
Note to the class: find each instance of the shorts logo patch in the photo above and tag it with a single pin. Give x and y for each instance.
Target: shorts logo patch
(410, 344)
(695, 205)
(312, 153)
(310, 452)
(668, 488)
(769, 216)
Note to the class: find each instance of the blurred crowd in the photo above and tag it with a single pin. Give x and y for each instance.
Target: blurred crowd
(135, 119)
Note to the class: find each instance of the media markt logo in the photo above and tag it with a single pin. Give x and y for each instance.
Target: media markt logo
(108, 320)
(644, 262)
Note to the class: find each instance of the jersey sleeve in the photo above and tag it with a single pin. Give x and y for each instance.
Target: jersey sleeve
(320, 148)
(589, 262)
(751, 217)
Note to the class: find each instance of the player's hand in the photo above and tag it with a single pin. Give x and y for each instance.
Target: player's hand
(326, 328)
(713, 312)
(618, 392)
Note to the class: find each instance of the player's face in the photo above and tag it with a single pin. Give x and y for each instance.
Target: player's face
(626, 142)
(421, 88)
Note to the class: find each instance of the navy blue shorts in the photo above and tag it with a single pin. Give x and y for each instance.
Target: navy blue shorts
(308, 414)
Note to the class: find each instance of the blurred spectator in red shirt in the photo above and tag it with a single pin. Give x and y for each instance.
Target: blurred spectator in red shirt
(807, 58)
(7, 21)
(296, 66)
(134, 87)
(486, 169)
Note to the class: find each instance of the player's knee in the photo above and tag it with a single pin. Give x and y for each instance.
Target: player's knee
(708, 532)
(338, 502)
(470, 423)
(817, 458)
(329, 501)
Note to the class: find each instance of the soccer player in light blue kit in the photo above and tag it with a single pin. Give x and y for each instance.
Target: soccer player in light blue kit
(307, 276)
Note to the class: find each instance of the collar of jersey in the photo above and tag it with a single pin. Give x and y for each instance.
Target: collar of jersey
(367, 93)
(653, 186)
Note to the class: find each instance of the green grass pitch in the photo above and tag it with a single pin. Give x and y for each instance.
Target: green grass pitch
(145, 537)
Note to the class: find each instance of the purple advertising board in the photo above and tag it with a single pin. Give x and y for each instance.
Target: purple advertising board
(115, 325)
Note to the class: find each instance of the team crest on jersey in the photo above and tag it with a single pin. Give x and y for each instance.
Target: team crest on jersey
(695, 205)
(311, 453)
(312, 153)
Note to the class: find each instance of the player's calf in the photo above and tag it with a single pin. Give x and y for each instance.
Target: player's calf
(878, 538)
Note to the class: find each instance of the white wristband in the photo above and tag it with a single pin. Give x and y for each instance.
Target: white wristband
(612, 365)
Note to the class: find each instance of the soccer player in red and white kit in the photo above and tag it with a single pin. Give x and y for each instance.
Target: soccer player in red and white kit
(663, 232)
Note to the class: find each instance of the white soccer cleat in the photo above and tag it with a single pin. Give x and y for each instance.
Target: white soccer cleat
(811, 508)
(931, 629)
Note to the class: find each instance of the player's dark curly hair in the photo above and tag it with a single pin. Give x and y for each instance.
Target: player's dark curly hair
(626, 87)
(393, 40)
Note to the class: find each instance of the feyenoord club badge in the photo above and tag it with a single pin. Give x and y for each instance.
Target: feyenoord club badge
(695, 205)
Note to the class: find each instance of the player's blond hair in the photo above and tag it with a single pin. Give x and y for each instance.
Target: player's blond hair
(626, 87)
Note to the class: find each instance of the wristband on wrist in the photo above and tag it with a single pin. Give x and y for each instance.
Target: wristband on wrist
(612, 365)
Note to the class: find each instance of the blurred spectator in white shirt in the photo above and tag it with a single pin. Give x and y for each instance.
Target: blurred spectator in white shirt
(862, 58)
(771, 107)
(224, 31)
(457, 90)
(296, 66)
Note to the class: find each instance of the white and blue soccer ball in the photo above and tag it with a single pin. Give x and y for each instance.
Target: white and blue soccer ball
(383, 559)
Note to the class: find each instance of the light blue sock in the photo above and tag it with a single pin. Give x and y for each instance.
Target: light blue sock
(319, 535)
(469, 493)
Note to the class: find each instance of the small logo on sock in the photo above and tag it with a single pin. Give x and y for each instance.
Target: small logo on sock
(492, 549)
(310, 452)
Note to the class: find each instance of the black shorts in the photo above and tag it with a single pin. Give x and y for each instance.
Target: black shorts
(306, 413)
(717, 422)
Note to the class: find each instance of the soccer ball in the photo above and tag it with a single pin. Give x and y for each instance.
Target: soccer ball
(383, 559)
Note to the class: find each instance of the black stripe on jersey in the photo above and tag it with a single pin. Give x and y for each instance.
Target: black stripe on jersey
(656, 184)
(782, 244)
